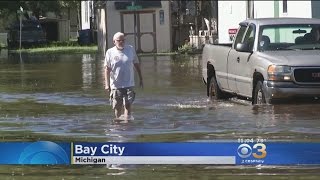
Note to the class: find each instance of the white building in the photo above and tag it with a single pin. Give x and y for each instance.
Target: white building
(86, 14)
(146, 24)
(230, 13)
(148, 27)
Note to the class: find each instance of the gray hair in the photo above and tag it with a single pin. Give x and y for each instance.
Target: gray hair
(117, 35)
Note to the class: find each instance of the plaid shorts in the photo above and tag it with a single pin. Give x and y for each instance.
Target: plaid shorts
(122, 96)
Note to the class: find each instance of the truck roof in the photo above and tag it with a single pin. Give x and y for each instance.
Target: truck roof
(281, 20)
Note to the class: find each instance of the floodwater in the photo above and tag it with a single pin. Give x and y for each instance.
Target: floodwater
(61, 98)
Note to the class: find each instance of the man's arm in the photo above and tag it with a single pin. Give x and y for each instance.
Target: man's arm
(107, 71)
(137, 66)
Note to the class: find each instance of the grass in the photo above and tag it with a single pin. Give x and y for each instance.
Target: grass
(77, 49)
(158, 54)
(60, 49)
(74, 47)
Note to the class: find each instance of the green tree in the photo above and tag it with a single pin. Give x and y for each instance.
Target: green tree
(39, 8)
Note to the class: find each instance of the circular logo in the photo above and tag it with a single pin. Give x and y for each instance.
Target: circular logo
(244, 150)
(44, 152)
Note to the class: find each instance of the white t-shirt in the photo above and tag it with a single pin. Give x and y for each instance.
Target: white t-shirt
(121, 64)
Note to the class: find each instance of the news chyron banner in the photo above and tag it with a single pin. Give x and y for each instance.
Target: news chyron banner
(40, 152)
(219, 153)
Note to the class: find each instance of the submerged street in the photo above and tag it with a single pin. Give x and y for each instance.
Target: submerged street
(61, 98)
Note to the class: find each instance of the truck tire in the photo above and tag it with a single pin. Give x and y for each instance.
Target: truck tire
(259, 94)
(214, 90)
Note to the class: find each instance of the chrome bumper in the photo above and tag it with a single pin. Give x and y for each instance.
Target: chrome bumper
(279, 90)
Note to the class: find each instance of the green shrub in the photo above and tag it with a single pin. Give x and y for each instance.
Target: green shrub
(185, 49)
(63, 43)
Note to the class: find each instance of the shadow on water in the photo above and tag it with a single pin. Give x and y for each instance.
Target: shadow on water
(61, 97)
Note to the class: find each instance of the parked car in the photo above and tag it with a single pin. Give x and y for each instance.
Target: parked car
(270, 59)
(31, 34)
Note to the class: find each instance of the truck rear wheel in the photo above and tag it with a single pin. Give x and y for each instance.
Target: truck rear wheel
(259, 94)
(214, 90)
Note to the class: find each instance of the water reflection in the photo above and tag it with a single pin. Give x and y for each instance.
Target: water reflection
(294, 118)
(88, 71)
(3, 53)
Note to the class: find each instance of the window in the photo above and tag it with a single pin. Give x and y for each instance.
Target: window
(285, 6)
(240, 35)
(249, 38)
(287, 36)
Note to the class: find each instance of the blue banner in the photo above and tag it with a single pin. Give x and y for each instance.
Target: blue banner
(154, 149)
(273, 153)
(267, 153)
(41, 152)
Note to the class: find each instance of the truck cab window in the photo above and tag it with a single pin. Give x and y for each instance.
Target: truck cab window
(239, 35)
(249, 37)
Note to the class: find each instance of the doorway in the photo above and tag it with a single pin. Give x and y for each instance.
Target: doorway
(139, 28)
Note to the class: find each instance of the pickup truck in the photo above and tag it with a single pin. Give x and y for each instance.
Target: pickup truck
(269, 59)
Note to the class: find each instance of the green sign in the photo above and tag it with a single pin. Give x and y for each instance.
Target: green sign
(134, 7)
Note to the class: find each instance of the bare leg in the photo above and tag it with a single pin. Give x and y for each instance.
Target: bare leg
(127, 110)
(118, 110)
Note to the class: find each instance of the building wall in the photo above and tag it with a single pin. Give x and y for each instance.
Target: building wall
(266, 9)
(72, 15)
(163, 30)
(263, 9)
(113, 22)
(102, 31)
(63, 30)
(163, 39)
(230, 13)
(296, 9)
(85, 14)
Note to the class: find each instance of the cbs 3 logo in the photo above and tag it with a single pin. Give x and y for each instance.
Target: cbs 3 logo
(257, 150)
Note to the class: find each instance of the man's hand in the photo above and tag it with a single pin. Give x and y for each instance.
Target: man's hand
(107, 88)
(141, 84)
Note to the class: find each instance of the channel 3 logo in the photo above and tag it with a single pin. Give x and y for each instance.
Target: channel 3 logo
(258, 150)
(44, 152)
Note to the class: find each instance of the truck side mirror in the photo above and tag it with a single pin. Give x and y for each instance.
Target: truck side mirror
(243, 47)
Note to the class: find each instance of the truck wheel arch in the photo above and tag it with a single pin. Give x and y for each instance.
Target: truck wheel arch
(210, 70)
(210, 73)
(257, 76)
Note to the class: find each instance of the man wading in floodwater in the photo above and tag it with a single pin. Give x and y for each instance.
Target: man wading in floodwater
(119, 76)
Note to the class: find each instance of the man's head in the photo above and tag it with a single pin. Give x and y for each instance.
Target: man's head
(118, 40)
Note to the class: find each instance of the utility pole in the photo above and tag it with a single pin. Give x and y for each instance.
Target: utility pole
(20, 12)
(134, 24)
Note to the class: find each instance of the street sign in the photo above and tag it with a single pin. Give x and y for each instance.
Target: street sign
(137, 7)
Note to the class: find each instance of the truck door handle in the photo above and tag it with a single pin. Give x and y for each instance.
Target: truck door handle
(238, 59)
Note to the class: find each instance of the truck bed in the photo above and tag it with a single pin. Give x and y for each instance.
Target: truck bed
(223, 44)
(212, 53)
